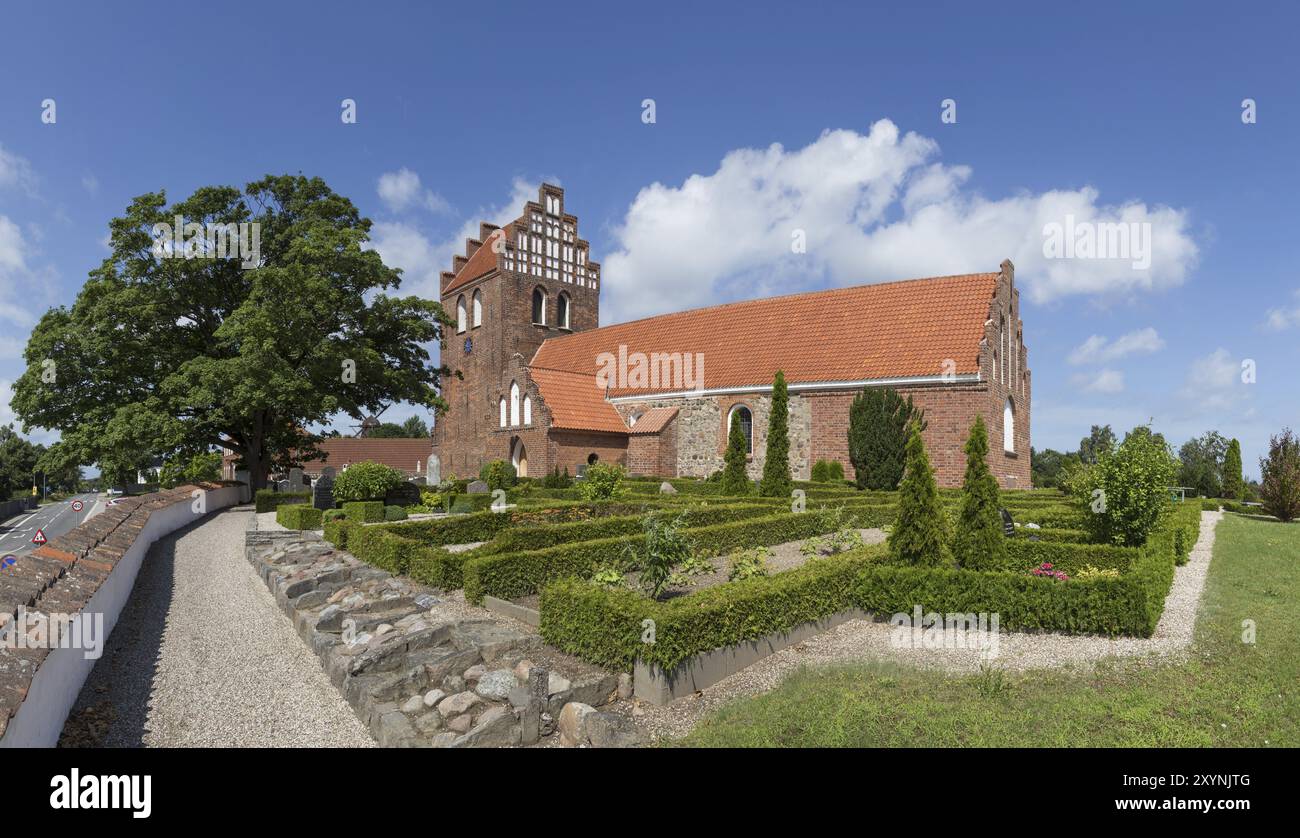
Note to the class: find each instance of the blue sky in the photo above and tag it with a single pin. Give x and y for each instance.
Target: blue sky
(1106, 111)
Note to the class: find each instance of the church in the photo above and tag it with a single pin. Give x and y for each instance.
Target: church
(537, 380)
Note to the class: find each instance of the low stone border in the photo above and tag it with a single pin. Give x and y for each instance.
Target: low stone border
(85, 574)
(522, 613)
(421, 670)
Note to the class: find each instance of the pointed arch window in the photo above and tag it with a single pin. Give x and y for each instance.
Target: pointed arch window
(1009, 427)
(478, 308)
(562, 304)
(539, 306)
(528, 410)
(460, 314)
(514, 404)
(503, 411)
(746, 424)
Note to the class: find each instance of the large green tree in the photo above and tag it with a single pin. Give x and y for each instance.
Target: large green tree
(1100, 440)
(18, 463)
(979, 543)
(412, 428)
(1233, 485)
(734, 479)
(1049, 468)
(879, 423)
(776, 482)
(159, 355)
(1201, 464)
(1279, 487)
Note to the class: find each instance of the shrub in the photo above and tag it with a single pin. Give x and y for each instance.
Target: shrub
(821, 471)
(266, 500)
(1126, 492)
(734, 479)
(776, 482)
(366, 481)
(918, 535)
(394, 513)
(333, 514)
(1233, 486)
(556, 480)
(298, 517)
(879, 423)
(364, 512)
(604, 481)
(665, 548)
(1279, 488)
(748, 563)
(979, 542)
(498, 474)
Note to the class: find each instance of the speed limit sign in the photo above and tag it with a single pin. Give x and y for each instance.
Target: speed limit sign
(77, 506)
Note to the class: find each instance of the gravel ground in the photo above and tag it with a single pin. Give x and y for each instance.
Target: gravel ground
(859, 640)
(201, 657)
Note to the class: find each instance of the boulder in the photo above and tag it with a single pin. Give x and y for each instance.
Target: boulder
(666, 488)
(572, 724)
(477, 487)
(496, 685)
(457, 704)
(613, 730)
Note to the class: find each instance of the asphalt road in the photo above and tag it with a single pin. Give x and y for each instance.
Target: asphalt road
(53, 519)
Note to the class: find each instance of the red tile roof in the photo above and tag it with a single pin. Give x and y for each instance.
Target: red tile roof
(654, 420)
(867, 332)
(479, 264)
(406, 455)
(575, 402)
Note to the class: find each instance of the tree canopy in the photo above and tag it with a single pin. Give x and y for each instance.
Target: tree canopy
(161, 353)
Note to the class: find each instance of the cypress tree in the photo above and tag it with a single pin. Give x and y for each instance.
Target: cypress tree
(918, 536)
(734, 479)
(1233, 485)
(979, 543)
(879, 423)
(776, 481)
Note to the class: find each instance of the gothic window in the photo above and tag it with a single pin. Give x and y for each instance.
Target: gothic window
(746, 424)
(460, 314)
(503, 411)
(562, 311)
(514, 404)
(1009, 427)
(539, 306)
(528, 410)
(478, 308)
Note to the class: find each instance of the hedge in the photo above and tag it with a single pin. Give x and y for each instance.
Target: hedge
(299, 516)
(364, 511)
(266, 500)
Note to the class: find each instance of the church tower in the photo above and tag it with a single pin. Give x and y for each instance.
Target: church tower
(514, 287)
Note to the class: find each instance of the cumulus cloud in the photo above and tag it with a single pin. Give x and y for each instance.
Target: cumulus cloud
(1217, 380)
(1284, 317)
(1101, 381)
(421, 258)
(1099, 350)
(869, 208)
(402, 190)
(16, 173)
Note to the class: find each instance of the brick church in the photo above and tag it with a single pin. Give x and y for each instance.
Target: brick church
(544, 386)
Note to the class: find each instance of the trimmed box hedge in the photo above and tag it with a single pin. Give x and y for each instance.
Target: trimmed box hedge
(299, 517)
(266, 500)
(364, 511)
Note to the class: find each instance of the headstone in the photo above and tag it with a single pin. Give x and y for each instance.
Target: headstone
(478, 487)
(666, 488)
(404, 494)
(1008, 525)
(433, 470)
(322, 491)
(295, 480)
(282, 486)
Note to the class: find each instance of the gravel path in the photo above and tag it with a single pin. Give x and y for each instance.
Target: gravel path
(201, 657)
(859, 640)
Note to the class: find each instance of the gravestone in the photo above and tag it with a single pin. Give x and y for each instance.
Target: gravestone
(478, 487)
(322, 491)
(295, 480)
(433, 470)
(1008, 525)
(282, 486)
(403, 494)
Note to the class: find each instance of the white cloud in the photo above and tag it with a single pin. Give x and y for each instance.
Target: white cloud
(1101, 381)
(16, 173)
(401, 190)
(1215, 381)
(1284, 317)
(90, 183)
(1099, 350)
(873, 207)
(421, 259)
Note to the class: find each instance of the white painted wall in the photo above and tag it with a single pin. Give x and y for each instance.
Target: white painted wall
(59, 679)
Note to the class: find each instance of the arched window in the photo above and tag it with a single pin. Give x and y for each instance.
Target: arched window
(514, 404)
(503, 411)
(593, 458)
(528, 410)
(746, 424)
(1009, 427)
(562, 311)
(478, 308)
(539, 306)
(460, 314)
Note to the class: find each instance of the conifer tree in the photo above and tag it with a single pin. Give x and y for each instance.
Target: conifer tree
(918, 536)
(1233, 485)
(776, 481)
(879, 423)
(979, 543)
(734, 479)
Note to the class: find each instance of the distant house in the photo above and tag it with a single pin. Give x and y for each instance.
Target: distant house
(409, 456)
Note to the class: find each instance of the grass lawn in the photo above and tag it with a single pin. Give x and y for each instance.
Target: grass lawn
(1229, 693)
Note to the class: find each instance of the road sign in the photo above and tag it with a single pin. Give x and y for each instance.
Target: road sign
(77, 506)
(8, 561)
(39, 538)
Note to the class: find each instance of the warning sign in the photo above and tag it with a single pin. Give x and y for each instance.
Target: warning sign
(39, 538)
(77, 506)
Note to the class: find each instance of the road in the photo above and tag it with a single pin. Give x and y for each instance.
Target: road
(53, 519)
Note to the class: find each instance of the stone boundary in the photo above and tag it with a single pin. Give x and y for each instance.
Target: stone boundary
(88, 571)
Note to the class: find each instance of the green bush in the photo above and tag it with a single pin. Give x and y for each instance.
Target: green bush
(394, 513)
(880, 422)
(332, 514)
(734, 479)
(1279, 486)
(337, 531)
(827, 471)
(366, 481)
(556, 480)
(298, 517)
(1234, 488)
(266, 500)
(364, 511)
(603, 481)
(498, 474)
(979, 543)
(1126, 492)
(776, 482)
(918, 535)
